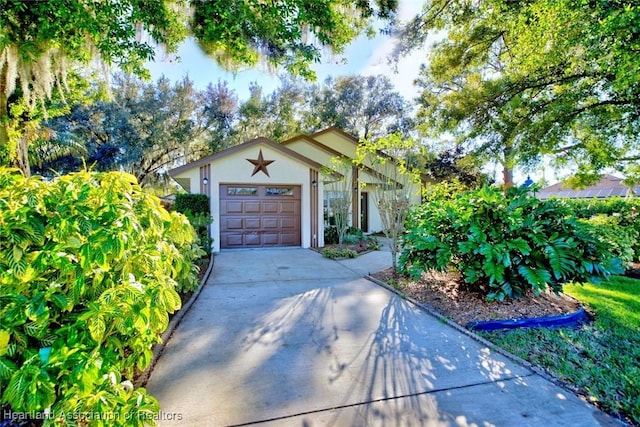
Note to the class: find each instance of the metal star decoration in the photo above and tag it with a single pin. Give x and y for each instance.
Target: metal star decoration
(260, 164)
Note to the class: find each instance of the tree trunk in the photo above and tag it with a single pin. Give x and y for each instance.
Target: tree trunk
(507, 176)
(507, 167)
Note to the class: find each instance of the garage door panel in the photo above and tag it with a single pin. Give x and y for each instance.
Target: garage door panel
(288, 223)
(256, 216)
(271, 239)
(252, 223)
(289, 239)
(271, 223)
(232, 240)
(252, 239)
(233, 223)
(233, 207)
(290, 207)
(252, 207)
(270, 207)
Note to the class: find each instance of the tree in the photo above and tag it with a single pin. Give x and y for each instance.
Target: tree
(367, 107)
(142, 130)
(390, 159)
(453, 165)
(219, 116)
(40, 41)
(364, 106)
(338, 185)
(518, 81)
(274, 116)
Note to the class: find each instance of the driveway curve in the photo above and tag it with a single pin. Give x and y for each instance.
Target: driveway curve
(285, 337)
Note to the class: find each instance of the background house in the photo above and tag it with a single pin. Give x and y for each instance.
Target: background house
(608, 186)
(265, 193)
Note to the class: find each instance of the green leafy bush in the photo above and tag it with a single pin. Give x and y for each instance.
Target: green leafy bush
(623, 241)
(505, 245)
(89, 269)
(626, 209)
(196, 208)
(334, 253)
(372, 243)
(443, 190)
(200, 222)
(353, 235)
(622, 212)
(330, 235)
(194, 203)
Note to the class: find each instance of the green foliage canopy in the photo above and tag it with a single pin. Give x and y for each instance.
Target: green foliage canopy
(242, 31)
(40, 41)
(367, 107)
(516, 81)
(146, 126)
(90, 266)
(141, 130)
(194, 203)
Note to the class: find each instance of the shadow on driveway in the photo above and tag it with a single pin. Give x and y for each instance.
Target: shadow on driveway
(324, 347)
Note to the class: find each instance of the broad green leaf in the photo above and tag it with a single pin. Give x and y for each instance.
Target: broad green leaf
(4, 341)
(535, 277)
(74, 242)
(17, 253)
(61, 301)
(97, 328)
(29, 274)
(169, 299)
(7, 368)
(36, 329)
(144, 360)
(519, 245)
(37, 309)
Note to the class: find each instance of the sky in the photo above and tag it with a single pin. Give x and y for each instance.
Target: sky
(364, 56)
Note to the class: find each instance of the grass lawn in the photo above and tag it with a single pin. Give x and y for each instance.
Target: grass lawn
(601, 360)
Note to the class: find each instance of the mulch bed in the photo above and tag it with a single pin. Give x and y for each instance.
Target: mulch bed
(447, 294)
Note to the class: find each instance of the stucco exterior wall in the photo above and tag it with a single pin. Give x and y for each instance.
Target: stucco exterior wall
(235, 169)
(375, 222)
(338, 142)
(295, 162)
(311, 151)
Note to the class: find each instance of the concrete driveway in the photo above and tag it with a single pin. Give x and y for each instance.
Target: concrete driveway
(287, 337)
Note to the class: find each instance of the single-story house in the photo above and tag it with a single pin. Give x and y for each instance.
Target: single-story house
(608, 186)
(265, 193)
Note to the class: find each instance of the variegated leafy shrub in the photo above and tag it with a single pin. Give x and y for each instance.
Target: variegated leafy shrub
(90, 268)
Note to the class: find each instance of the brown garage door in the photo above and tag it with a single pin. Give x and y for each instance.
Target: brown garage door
(254, 216)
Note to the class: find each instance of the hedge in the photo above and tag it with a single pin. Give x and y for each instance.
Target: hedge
(90, 268)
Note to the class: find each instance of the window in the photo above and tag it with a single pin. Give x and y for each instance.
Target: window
(279, 191)
(242, 191)
(335, 203)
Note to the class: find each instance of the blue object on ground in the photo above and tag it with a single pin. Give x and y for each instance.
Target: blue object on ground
(562, 320)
